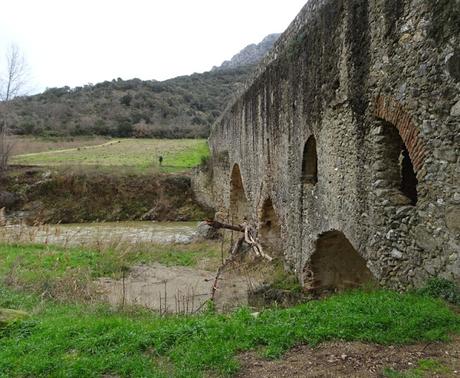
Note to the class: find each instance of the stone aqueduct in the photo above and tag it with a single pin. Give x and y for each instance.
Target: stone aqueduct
(344, 147)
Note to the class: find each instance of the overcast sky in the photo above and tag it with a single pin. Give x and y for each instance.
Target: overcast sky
(75, 42)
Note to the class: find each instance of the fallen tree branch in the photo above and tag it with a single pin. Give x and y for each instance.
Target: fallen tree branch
(250, 237)
(218, 225)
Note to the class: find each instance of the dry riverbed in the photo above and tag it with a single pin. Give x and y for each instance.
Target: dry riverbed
(89, 234)
(182, 283)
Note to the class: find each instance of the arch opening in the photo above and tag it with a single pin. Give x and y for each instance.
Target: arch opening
(399, 170)
(408, 177)
(238, 200)
(337, 265)
(270, 230)
(310, 162)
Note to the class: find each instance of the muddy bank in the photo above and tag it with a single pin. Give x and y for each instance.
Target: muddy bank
(42, 196)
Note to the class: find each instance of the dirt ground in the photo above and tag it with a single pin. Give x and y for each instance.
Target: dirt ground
(355, 359)
(174, 289)
(28, 145)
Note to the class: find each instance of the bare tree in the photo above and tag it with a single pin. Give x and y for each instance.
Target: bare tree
(14, 79)
(12, 83)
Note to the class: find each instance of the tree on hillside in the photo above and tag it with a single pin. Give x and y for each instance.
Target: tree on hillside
(12, 83)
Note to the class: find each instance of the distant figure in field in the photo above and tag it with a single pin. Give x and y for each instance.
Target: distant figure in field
(160, 159)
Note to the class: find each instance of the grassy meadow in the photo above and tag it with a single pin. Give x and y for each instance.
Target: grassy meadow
(29, 144)
(75, 340)
(70, 333)
(136, 154)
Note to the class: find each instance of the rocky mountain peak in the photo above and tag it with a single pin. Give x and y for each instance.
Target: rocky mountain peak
(250, 55)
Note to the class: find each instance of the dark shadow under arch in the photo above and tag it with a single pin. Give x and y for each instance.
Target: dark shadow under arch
(337, 265)
(397, 164)
(238, 200)
(310, 162)
(392, 112)
(270, 230)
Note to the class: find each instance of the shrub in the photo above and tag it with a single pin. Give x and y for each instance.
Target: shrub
(442, 288)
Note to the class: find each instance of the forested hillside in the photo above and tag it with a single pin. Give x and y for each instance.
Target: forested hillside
(182, 107)
(185, 106)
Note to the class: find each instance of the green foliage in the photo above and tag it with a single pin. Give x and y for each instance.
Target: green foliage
(75, 341)
(183, 107)
(296, 46)
(284, 280)
(442, 288)
(126, 99)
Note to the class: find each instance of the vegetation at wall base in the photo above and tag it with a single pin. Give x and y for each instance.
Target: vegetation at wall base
(74, 340)
(442, 288)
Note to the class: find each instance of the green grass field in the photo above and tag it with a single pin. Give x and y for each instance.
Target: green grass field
(72, 340)
(71, 337)
(138, 154)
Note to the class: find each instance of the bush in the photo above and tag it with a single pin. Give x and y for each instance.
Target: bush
(442, 288)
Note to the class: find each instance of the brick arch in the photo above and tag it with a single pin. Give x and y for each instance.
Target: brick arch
(392, 111)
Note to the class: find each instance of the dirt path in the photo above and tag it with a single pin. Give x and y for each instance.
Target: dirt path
(69, 149)
(356, 359)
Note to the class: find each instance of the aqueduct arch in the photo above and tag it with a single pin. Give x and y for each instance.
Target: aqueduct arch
(270, 230)
(396, 163)
(402, 151)
(393, 113)
(385, 107)
(310, 162)
(336, 264)
(238, 200)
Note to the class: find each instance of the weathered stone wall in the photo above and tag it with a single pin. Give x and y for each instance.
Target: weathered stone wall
(377, 85)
